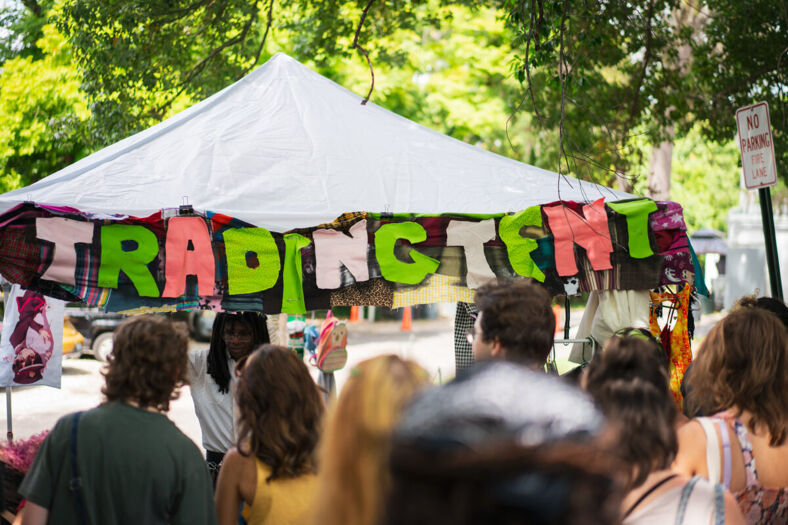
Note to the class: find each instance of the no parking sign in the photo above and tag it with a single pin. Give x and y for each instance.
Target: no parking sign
(757, 149)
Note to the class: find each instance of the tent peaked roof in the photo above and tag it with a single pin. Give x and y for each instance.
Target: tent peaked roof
(285, 147)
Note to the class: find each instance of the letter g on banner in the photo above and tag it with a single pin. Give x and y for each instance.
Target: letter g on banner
(392, 268)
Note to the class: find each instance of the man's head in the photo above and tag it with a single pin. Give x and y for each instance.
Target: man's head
(148, 362)
(515, 322)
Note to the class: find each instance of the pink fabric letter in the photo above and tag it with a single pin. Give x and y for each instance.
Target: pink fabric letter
(65, 233)
(591, 232)
(180, 261)
(472, 236)
(334, 247)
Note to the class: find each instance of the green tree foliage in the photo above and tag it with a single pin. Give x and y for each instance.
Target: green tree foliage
(741, 59)
(42, 112)
(445, 67)
(705, 180)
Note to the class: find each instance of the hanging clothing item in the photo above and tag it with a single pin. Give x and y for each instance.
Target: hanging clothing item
(676, 341)
(606, 312)
(463, 323)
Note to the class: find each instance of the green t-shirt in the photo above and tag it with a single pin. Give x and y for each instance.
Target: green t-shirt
(136, 467)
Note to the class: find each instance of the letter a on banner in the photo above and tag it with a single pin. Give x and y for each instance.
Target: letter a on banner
(591, 232)
(180, 261)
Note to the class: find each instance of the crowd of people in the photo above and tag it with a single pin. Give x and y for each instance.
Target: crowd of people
(503, 442)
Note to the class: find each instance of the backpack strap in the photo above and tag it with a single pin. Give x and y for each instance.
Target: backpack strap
(75, 484)
(719, 504)
(685, 496)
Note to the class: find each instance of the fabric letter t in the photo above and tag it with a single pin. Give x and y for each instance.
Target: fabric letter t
(591, 232)
(472, 236)
(65, 233)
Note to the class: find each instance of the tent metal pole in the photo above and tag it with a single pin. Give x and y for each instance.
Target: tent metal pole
(9, 425)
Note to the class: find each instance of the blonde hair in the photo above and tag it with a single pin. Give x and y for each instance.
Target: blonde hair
(354, 451)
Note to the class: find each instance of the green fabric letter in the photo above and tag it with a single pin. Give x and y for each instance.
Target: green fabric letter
(637, 213)
(114, 259)
(252, 260)
(293, 293)
(518, 247)
(392, 268)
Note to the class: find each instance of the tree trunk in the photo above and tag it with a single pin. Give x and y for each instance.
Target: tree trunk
(694, 17)
(659, 171)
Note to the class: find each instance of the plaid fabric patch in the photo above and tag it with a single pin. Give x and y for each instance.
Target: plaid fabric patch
(437, 289)
(20, 259)
(463, 323)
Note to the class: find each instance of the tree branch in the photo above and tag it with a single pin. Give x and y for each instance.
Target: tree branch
(262, 42)
(200, 66)
(33, 6)
(356, 45)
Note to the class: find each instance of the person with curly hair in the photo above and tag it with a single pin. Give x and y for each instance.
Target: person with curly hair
(354, 451)
(125, 462)
(741, 377)
(272, 468)
(212, 379)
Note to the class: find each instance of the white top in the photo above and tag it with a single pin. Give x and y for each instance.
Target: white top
(663, 509)
(214, 409)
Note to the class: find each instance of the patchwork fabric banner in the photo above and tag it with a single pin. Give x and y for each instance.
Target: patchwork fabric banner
(31, 347)
(173, 261)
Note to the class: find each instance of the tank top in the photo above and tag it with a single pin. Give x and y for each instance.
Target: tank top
(692, 503)
(761, 505)
(282, 501)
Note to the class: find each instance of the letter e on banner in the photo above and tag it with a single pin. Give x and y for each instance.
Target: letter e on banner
(757, 148)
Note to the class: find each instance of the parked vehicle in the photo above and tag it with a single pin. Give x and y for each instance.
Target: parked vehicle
(73, 341)
(96, 326)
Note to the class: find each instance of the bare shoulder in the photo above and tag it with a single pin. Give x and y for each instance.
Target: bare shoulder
(242, 470)
(691, 456)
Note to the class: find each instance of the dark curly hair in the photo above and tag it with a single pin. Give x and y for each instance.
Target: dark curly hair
(630, 384)
(280, 412)
(148, 362)
(218, 364)
(518, 313)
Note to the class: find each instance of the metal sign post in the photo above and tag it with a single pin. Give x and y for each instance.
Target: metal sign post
(760, 172)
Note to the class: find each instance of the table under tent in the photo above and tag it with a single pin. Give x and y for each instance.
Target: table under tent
(283, 194)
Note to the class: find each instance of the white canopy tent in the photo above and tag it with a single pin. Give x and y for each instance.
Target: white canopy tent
(285, 147)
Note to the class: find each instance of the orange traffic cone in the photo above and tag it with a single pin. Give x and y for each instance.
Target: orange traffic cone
(557, 314)
(406, 319)
(354, 314)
